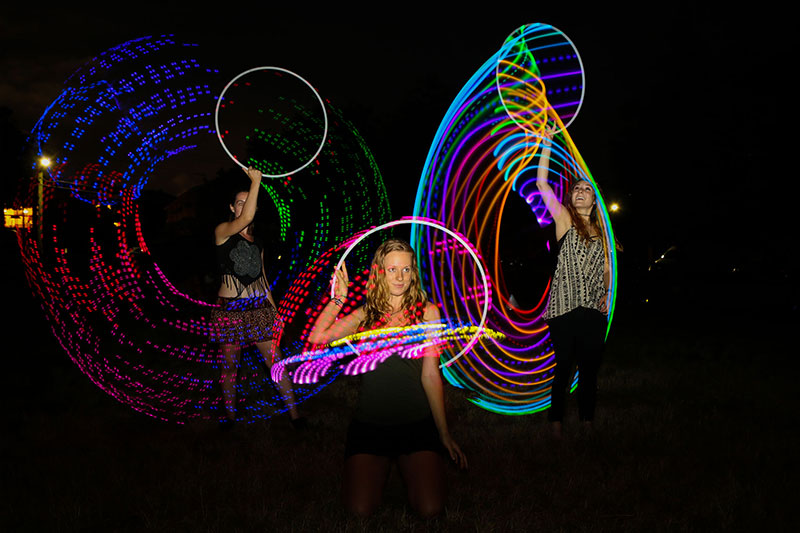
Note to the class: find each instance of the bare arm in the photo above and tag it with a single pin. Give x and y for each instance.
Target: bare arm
(434, 391)
(554, 207)
(327, 328)
(225, 230)
(605, 300)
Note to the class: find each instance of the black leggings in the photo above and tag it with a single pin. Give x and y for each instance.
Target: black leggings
(578, 337)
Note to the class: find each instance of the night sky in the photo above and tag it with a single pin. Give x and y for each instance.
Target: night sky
(683, 121)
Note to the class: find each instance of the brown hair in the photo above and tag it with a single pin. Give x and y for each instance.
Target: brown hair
(581, 225)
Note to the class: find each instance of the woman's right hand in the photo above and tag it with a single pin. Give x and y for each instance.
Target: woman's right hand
(326, 327)
(340, 282)
(254, 174)
(547, 136)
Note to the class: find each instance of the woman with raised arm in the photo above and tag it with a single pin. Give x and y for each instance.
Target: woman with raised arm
(401, 413)
(578, 304)
(246, 309)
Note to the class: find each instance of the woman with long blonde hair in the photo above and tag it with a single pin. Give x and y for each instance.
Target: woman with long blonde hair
(401, 413)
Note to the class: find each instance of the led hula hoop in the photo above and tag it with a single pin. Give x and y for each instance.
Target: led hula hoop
(461, 240)
(111, 299)
(482, 157)
(220, 101)
(374, 346)
(560, 68)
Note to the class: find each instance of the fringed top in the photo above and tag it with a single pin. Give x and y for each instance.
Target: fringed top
(240, 265)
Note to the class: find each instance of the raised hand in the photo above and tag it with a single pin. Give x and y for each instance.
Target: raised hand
(254, 174)
(340, 282)
(547, 136)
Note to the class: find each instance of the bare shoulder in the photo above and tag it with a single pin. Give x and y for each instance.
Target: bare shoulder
(432, 312)
(220, 233)
(563, 223)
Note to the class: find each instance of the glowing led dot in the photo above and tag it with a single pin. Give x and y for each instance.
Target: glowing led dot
(116, 313)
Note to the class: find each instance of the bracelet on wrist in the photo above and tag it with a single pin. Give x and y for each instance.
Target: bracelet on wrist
(338, 301)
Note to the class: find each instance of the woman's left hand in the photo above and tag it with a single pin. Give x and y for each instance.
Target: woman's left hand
(547, 137)
(455, 452)
(603, 305)
(254, 174)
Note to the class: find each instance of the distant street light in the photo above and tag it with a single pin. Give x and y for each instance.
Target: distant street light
(44, 162)
(614, 207)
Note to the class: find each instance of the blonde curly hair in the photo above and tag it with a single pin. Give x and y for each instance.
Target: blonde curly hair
(377, 308)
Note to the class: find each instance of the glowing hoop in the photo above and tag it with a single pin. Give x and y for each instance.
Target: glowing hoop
(456, 236)
(487, 147)
(321, 103)
(504, 52)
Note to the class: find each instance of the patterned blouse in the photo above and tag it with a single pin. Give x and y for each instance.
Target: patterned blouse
(578, 279)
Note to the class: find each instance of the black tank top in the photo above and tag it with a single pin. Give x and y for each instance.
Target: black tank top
(240, 266)
(393, 393)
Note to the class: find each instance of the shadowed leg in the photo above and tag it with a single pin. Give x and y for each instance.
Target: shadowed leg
(365, 476)
(590, 356)
(230, 366)
(284, 386)
(563, 341)
(424, 476)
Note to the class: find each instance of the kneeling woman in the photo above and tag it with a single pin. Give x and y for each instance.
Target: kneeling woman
(400, 414)
(244, 282)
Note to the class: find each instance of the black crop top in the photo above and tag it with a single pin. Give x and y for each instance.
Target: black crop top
(240, 265)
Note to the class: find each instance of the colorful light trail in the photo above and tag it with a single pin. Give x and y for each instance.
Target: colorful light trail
(151, 345)
(136, 332)
(485, 151)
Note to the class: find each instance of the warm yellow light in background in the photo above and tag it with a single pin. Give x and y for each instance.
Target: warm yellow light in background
(18, 218)
(614, 207)
(44, 161)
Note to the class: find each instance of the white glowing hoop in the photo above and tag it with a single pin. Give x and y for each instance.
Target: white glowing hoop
(462, 241)
(321, 103)
(502, 54)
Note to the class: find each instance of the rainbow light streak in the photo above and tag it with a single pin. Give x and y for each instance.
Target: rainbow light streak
(485, 154)
(374, 347)
(466, 248)
(311, 291)
(128, 327)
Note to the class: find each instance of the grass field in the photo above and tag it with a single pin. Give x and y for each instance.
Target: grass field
(696, 431)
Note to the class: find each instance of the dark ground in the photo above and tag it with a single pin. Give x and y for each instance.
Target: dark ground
(697, 431)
